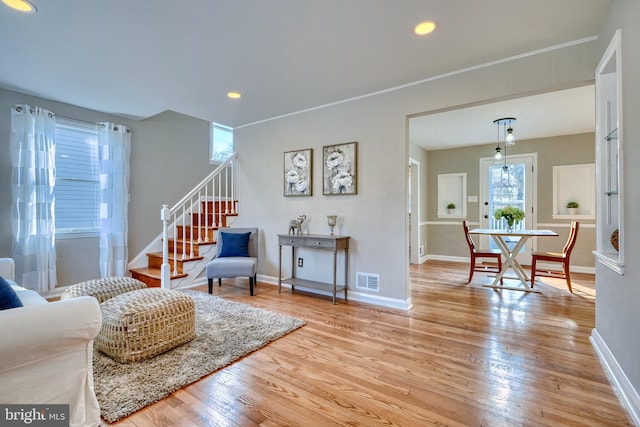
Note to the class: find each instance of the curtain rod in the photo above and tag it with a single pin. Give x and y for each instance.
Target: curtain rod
(18, 108)
(102, 125)
(81, 121)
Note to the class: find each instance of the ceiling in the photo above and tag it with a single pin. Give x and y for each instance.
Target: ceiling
(564, 112)
(139, 58)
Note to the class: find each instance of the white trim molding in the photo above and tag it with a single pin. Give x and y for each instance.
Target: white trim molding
(628, 395)
(352, 295)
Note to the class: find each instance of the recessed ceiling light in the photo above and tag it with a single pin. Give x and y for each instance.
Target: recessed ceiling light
(424, 28)
(21, 5)
(232, 95)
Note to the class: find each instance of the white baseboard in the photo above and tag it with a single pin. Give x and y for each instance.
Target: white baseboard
(352, 295)
(542, 266)
(626, 392)
(437, 257)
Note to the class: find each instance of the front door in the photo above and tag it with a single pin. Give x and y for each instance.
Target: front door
(508, 183)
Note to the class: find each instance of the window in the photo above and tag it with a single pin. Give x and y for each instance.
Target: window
(77, 187)
(221, 143)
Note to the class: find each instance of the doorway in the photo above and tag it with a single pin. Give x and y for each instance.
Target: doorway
(509, 183)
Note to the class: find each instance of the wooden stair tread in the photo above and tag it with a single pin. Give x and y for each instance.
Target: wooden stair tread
(179, 259)
(187, 241)
(155, 273)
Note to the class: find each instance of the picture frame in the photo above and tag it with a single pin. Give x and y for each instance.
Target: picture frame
(340, 167)
(298, 173)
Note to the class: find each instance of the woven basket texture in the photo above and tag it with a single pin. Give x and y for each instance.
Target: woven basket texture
(103, 289)
(141, 324)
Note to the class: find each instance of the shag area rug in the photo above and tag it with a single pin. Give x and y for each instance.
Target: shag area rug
(225, 331)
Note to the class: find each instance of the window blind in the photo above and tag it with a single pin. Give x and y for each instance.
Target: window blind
(77, 187)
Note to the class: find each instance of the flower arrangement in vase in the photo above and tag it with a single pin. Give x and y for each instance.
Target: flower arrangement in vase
(511, 216)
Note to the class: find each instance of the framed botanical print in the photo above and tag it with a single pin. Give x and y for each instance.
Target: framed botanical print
(339, 165)
(298, 168)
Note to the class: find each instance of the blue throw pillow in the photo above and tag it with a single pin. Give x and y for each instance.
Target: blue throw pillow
(234, 244)
(8, 297)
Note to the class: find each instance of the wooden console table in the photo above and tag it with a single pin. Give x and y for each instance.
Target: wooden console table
(314, 241)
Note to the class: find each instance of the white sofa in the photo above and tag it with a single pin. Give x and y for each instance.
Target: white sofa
(46, 352)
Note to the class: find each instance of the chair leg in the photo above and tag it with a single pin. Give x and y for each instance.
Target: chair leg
(533, 271)
(210, 283)
(251, 286)
(499, 270)
(567, 275)
(219, 281)
(472, 268)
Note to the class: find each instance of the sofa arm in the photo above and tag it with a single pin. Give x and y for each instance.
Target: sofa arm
(41, 331)
(7, 268)
(46, 356)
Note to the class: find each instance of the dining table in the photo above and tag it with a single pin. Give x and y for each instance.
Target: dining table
(510, 254)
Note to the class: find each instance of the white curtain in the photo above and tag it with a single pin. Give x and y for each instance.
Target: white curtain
(114, 148)
(32, 181)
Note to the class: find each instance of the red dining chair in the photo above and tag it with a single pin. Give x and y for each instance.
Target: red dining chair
(562, 258)
(481, 253)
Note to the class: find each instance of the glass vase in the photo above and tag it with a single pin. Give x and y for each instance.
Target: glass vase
(508, 225)
(331, 221)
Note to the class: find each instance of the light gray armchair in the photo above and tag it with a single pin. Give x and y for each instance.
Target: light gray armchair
(236, 256)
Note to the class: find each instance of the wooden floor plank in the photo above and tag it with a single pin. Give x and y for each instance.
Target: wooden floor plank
(464, 355)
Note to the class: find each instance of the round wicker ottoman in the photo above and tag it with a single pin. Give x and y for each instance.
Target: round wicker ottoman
(103, 289)
(141, 324)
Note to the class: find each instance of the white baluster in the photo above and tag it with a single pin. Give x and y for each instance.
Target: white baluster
(237, 172)
(206, 214)
(184, 232)
(213, 202)
(175, 247)
(165, 275)
(226, 189)
(199, 206)
(191, 234)
(219, 201)
(233, 175)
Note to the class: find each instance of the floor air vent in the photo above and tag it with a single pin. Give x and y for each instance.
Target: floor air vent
(368, 281)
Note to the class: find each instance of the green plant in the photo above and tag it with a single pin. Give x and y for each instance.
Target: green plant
(511, 214)
(451, 206)
(572, 204)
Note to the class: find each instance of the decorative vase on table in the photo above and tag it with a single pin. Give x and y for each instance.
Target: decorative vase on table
(331, 221)
(510, 215)
(509, 224)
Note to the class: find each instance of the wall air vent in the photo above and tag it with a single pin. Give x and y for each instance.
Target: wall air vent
(368, 281)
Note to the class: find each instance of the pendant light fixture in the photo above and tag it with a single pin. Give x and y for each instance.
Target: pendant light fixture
(509, 139)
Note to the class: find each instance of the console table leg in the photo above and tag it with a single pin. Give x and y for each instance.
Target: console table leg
(335, 261)
(279, 268)
(346, 272)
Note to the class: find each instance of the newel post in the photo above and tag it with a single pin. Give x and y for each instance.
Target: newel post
(165, 270)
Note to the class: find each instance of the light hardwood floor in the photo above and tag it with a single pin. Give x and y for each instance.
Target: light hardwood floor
(464, 355)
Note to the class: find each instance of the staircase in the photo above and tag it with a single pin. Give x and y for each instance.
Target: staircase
(179, 255)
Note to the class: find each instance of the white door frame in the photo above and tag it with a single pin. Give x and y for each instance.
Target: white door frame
(531, 214)
(414, 208)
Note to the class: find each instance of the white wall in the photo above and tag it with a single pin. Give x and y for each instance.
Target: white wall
(618, 301)
(376, 217)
